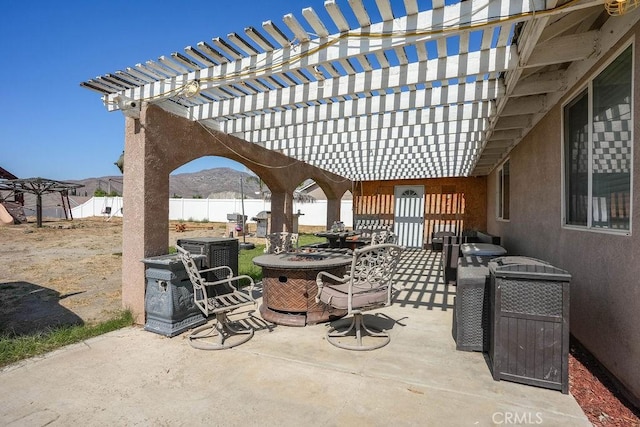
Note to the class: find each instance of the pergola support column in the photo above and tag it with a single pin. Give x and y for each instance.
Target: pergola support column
(145, 226)
(281, 211)
(333, 211)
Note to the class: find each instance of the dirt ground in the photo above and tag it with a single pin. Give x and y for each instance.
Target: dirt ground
(70, 272)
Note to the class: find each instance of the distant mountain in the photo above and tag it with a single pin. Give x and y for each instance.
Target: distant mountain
(216, 183)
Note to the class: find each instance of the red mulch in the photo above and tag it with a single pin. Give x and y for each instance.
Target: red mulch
(598, 396)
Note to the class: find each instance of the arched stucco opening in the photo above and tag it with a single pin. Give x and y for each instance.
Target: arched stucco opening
(158, 143)
(344, 201)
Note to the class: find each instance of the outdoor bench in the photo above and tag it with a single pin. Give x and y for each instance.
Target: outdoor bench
(453, 247)
(474, 236)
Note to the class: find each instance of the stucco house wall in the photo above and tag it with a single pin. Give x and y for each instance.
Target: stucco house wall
(605, 267)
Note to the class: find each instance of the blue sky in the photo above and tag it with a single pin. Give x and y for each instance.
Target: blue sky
(50, 126)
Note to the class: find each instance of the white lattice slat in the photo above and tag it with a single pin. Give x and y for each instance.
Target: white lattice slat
(106, 82)
(385, 10)
(226, 48)
(96, 86)
(143, 68)
(411, 6)
(160, 70)
(336, 15)
(361, 13)
(276, 33)
(312, 18)
(242, 44)
(295, 27)
(213, 53)
(138, 73)
(132, 78)
(173, 67)
(118, 82)
(182, 59)
(259, 39)
(199, 56)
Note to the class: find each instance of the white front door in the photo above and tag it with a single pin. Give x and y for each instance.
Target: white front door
(408, 218)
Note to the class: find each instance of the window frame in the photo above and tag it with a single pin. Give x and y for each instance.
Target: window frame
(577, 92)
(500, 191)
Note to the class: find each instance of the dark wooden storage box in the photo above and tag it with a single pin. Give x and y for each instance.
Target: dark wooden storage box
(529, 315)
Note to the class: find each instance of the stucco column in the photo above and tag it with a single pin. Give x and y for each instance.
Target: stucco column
(281, 211)
(288, 211)
(333, 211)
(145, 227)
(277, 212)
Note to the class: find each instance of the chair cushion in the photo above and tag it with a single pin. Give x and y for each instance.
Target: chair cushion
(337, 296)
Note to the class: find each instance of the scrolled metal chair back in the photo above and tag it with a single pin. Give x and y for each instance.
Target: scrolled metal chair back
(374, 266)
(281, 242)
(384, 236)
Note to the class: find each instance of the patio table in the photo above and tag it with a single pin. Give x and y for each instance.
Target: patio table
(289, 285)
(337, 239)
(356, 242)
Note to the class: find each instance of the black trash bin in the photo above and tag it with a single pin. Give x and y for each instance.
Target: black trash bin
(529, 318)
(471, 304)
(218, 251)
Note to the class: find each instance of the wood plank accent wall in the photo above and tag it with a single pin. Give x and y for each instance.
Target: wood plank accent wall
(450, 203)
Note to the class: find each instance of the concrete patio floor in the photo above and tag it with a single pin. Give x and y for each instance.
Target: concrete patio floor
(284, 376)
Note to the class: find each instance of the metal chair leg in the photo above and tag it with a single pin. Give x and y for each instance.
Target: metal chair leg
(220, 330)
(354, 331)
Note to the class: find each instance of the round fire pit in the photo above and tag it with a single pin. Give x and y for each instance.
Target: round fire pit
(289, 286)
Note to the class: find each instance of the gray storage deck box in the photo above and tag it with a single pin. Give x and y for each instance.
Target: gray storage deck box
(169, 306)
(529, 315)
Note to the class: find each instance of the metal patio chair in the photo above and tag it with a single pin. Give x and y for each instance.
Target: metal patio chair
(281, 242)
(383, 236)
(367, 286)
(219, 297)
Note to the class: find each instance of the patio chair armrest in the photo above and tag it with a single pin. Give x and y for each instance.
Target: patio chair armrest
(330, 276)
(320, 283)
(221, 267)
(232, 279)
(250, 287)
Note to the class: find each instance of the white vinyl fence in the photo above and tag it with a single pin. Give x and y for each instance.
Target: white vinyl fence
(216, 210)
